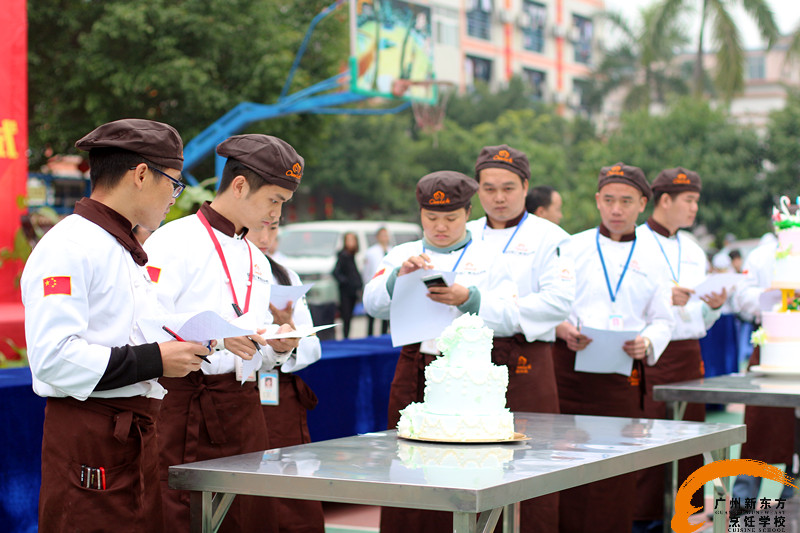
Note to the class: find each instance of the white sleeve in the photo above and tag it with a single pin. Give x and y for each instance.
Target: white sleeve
(161, 255)
(499, 300)
(376, 298)
(309, 350)
(660, 321)
(543, 310)
(56, 325)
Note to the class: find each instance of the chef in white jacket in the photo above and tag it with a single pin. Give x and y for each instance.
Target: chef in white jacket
(619, 287)
(84, 287)
(203, 262)
(482, 286)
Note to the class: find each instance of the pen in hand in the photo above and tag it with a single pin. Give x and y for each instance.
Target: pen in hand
(178, 338)
(238, 311)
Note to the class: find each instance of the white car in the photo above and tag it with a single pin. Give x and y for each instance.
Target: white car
(311, 249)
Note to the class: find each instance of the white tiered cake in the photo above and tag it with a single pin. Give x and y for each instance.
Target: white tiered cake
(465, 393)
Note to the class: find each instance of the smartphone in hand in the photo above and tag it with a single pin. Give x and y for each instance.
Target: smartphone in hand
(434, 280)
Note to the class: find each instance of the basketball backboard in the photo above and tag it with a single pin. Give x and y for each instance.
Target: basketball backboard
(390, 40)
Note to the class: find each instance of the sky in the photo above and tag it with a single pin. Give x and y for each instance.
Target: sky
(787, 15)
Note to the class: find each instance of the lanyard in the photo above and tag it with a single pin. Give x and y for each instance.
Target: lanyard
(516, 229)
(225, 264)
(674, 277)
(460, 257)
(613, 294)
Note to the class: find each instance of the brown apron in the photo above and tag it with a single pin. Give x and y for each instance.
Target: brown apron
(596, 506)
(117, 434)
(681, 361)
(531, 388)
(770, 430)
(287, 426)
(207, 417)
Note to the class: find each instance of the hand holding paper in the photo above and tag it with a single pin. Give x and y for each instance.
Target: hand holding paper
(605, 354)
(716, 283)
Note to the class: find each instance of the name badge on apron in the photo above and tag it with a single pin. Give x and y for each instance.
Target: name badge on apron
(268, 388)
(615, 322)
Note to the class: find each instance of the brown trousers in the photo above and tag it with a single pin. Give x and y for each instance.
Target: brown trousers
(117, 434)
(287, 425)
(208, 417)
(681, 361)
(606, 505)
(531, 388)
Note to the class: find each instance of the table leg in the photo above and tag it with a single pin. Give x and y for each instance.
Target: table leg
(484, 522)
(675, 411)
(207, 510)
(722, 488)
(511, 518)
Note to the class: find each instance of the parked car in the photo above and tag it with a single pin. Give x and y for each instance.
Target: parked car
(311, 248)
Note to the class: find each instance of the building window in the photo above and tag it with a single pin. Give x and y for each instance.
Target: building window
(537, 81)
(478, 69)
(582, 39)
(579, 100)
(445, 26)
(479, 19)
(756, 68)
(534, 20)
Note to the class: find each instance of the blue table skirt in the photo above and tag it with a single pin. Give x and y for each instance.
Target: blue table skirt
(351, 380)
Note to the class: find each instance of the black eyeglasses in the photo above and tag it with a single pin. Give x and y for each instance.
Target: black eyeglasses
(177, 185)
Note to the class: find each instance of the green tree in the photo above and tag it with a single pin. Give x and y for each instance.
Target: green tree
(716, 16)
(185, 62)
(783, 148)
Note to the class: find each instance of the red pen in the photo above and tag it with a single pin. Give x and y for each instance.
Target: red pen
(179, 339)
(103, 476)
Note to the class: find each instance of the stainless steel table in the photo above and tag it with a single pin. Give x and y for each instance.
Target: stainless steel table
(473, 481)
(749, 389)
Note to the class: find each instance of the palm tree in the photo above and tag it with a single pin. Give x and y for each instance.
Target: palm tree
(729, 75)
(638, 62)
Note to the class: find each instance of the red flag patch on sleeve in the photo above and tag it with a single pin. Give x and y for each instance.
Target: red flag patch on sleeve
(378, 273)
(57, 285)
(154, 273)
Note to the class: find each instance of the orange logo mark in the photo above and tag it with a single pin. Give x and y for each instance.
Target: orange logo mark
(633, 379)
(503, 155)
(616, 170)
(522, 365)
(681, 179)
(296, 171)
(439, 198)
(717, 469)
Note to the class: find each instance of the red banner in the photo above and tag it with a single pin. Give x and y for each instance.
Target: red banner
(13, 134)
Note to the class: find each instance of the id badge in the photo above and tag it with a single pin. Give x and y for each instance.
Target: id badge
(237, 366)
(268, 388)
(615, 322)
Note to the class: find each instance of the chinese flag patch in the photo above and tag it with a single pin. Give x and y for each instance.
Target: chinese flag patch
(154, 273)
(378, 273)
(57, 285)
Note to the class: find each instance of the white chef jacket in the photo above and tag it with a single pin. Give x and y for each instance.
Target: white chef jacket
(478, 267)
(70, 336)
(309, 350)
(191, 278)
(372, 261)
(696, 317)
(541, 267)
(759, 267)
(643, 301)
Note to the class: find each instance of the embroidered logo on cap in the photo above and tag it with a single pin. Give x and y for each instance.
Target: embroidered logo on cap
(439, 198)
(296, 171)
(616, 170)
(503, 155)
(57, 285)
(681, 179)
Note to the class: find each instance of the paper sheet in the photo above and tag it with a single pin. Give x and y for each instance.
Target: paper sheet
(248, 367)
(302, 331)
(198, 327)
(715, 283)
(604, 355)
(413, 316)
(280, 295)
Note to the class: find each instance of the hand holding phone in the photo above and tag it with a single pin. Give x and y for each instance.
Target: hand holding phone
(434, 280)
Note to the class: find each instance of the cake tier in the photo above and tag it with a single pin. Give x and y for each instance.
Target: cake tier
(417, 422)
(781, 327)
(787, 272)
(478, 389)
(789, 240)
(472, 349)
(780, 355)
(476, 465)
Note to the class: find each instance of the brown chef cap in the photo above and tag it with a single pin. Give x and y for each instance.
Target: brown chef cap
(154, 141)
(625, 174)
(271, 158)
(673, 180)
(503, 156)
(445, 190)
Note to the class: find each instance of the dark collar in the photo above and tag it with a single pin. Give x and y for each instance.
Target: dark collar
(219, 222)
(625, 238)
(114, 223)
(658, 228)
(513, 222)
